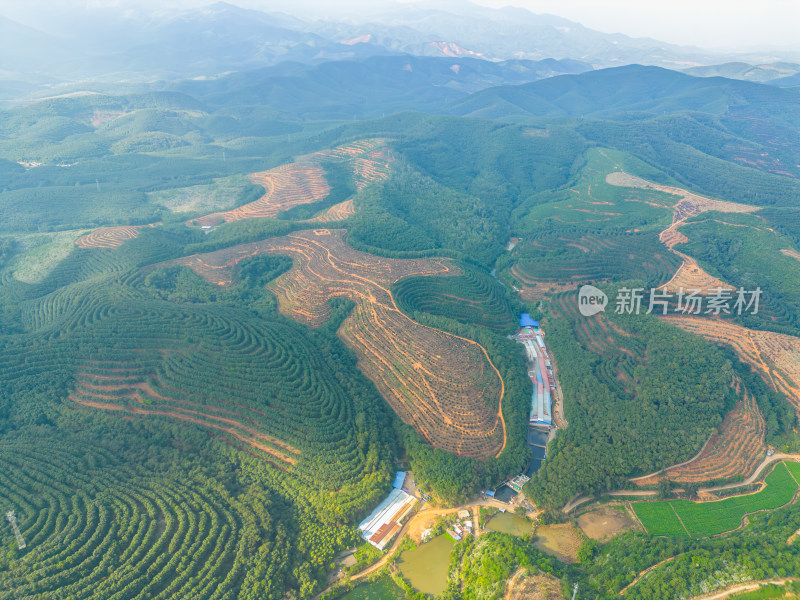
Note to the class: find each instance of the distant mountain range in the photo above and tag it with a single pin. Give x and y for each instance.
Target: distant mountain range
(506, 33)
(115, 46)
(745, 71)
(633, 89)
(370, 87)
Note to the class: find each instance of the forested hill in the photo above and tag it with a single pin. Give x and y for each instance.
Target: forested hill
(629, 89)
(238, 298)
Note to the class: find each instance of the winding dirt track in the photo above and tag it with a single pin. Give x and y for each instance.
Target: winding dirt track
(575, 502)
(512, 583)
(638, 578)
(743, 587)
(689, 275)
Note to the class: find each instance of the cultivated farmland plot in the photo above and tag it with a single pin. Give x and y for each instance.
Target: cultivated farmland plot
(660, 518)
(703, 519)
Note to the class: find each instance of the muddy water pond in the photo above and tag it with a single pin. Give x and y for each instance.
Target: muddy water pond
(425, 567)
(510, 523)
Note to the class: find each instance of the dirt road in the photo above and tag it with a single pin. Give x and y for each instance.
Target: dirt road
(425, 513)
(766, 462)
(575, 502)
(511, 583)
(743, 587)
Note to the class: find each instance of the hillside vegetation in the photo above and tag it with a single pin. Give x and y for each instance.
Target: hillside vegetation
(225, 321)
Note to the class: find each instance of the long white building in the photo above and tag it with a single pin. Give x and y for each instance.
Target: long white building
(383, 523)
(541, 404)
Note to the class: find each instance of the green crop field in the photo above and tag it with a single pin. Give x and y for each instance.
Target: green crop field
(703, 519)
(659, 518)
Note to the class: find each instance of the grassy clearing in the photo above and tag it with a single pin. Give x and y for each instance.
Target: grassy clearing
(763, 593)
(42, 253)
(382, 589)
(220, 195)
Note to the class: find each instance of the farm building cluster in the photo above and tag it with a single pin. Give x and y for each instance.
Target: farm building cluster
(383, 523)
(457, 529)
(461, 527)
(508, 491)
(539, 370)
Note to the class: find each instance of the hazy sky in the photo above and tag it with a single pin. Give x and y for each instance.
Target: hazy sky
(728, 24)
(710, 23)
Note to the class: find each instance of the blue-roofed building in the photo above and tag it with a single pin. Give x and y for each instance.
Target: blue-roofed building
(526, 321)
(399, 480)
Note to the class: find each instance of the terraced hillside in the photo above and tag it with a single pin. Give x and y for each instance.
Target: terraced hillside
(592, 232)
(618, 350)
(610, 365)
(257, 380)
(688, 205)
(474, 298)
(153, 369)
(99, 527)
(443, 385)
(737, 448)
(776, 356)
(107, 237)
(337, 212)
(558, 259)
(120, 387)
(303, 181)
(690, 275)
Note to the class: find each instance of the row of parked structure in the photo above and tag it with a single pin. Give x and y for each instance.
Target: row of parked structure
(540, 371)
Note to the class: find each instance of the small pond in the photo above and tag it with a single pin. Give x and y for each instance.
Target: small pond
(425, 567)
